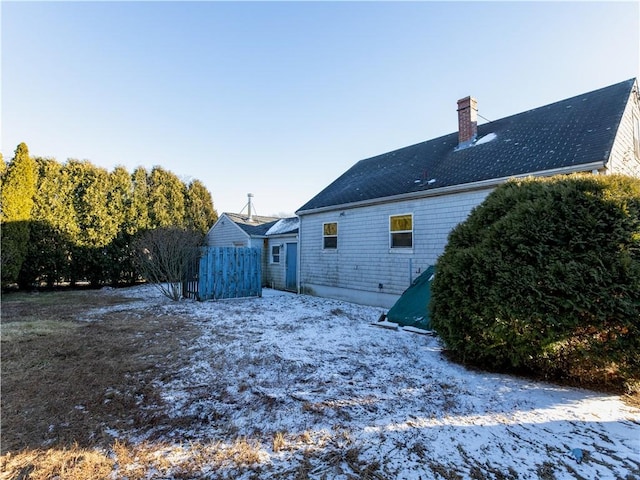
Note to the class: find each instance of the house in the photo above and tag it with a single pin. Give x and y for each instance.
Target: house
(371, 232)
(276, 238)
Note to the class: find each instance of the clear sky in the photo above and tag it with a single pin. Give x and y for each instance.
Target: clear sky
(278, 99)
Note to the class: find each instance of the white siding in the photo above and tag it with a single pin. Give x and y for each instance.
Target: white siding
(624, 158)
(363, 260)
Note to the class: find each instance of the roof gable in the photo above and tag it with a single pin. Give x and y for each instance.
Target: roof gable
(566, 134)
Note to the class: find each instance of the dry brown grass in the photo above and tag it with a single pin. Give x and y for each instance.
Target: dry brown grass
(67, 381)
(161, 459)
(72, 463)
(131, 461)
(279, 442)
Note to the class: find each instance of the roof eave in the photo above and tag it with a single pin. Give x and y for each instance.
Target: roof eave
(282, 235)
(464, 187)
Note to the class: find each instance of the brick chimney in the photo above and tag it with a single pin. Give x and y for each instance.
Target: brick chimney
(467, 121)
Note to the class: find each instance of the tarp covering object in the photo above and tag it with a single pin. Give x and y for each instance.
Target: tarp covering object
(412, 308)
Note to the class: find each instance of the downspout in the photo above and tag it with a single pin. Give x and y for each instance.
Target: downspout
(299, 267)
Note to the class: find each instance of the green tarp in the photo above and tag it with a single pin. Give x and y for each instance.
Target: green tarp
(412, 308)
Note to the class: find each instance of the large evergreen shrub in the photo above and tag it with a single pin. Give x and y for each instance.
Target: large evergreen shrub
(544, 276)
(17, 188)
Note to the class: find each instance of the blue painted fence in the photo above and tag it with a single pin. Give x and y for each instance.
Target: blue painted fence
(226, 272)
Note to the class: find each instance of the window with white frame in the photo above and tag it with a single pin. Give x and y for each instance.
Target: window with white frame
(275, 253)
(330, 235)
(401, 231)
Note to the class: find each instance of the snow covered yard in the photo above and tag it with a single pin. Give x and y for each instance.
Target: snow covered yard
(302, 387)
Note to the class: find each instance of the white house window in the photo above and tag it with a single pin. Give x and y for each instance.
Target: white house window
(330, 235)
(401, 231)
(275, 254)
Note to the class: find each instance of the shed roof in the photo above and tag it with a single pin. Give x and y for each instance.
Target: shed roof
(575, 132)
(259, 226)
(255, 225)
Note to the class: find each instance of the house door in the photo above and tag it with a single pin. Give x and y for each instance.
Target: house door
(291, 281)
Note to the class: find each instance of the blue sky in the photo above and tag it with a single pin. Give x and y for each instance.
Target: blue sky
(280, 98)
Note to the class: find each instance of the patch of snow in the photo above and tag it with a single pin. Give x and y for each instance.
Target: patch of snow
(284, 225)
(486, 139)
(306, 365)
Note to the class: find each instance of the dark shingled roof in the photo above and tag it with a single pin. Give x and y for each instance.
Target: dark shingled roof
(256, 226)
(578, 130)
(259, 226)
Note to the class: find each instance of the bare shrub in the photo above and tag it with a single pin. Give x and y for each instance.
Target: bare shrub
(165, 255)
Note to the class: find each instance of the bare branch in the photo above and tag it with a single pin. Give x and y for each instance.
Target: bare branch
(164, 256)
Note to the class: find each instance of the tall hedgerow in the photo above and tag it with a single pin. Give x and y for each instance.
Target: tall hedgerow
(75, 222)
(544, 276)
(17, 189)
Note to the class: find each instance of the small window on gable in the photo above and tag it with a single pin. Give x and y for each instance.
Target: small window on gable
(330, 235)
(401, 231)
(275, 253)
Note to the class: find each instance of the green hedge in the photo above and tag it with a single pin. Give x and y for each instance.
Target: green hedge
(544, 277)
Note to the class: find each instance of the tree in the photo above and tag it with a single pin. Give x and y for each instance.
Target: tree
(119, 198)
(544, 276)
(137, 218)
(47, 258)
(92, 189)
(16, 202)
(200, 214)
(53, 227)
(120, 206)
(97, 228)
(53, 202)
(166, 199)
(164, 255)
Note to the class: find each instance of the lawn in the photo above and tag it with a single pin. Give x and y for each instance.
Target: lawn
(127, 384)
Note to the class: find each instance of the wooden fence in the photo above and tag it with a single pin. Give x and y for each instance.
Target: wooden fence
(225, 272)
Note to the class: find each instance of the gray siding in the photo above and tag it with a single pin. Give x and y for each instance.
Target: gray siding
(225, 233)
(276, 272)
(363, 260)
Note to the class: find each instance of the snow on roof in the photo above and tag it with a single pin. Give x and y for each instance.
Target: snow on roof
(487, 138)
(284, 225)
